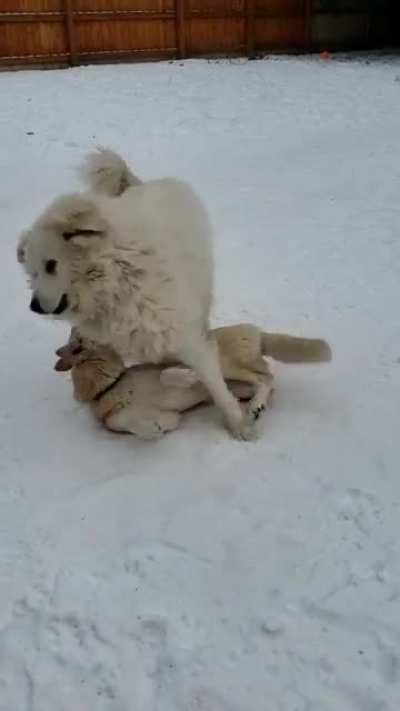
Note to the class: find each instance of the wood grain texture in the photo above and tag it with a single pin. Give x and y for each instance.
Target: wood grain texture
(73, 31)
(180, 27)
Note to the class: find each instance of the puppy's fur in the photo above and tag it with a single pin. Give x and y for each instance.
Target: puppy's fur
(148, 401)
(131, 265)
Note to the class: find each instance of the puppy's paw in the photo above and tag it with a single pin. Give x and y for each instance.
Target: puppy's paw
(156, 425)
(168, 421)
(129, 362)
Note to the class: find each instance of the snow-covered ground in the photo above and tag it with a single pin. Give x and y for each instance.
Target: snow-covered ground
(199, 573)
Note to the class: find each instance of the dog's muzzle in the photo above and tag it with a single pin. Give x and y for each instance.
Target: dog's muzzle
(36, 307)
(62, 306)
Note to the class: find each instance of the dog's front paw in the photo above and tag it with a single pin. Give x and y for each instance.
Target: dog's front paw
(244, 429)
(248, 428)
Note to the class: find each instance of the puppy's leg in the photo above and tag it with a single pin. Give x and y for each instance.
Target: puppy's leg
(263, 391)
(261, 399)
(178, 377)
(146, 424)
(202, 356)
(242, 391)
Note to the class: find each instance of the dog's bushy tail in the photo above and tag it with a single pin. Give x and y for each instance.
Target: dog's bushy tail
(291, 349)
(106, 173)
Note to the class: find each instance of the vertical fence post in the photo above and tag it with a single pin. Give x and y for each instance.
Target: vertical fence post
(308, 9)
(250, 28)
(180, 28)
(69, 13)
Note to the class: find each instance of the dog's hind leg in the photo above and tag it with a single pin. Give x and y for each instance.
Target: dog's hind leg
(202, 355)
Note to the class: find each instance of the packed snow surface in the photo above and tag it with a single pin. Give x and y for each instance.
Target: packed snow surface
(199, 573)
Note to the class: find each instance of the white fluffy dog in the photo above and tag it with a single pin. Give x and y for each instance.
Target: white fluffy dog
(130, 265)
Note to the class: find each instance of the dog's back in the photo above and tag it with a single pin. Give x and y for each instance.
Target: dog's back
(162, 217)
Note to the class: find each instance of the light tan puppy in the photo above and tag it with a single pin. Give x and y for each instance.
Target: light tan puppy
(148, 400)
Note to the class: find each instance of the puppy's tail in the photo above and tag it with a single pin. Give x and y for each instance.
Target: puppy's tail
(106, 173)
(291, 349)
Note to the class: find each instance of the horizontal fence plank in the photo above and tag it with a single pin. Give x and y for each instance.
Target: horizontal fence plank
(139, 53)
(32, 5)
(14, 17)
(159, 5)
(89, 16)
(128, 15)
(62, 58)
(140, 15)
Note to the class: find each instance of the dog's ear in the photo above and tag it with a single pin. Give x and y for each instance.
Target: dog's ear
(21, 249)
(73, 347)
(65, 359)
(64, 351)
(78, 220)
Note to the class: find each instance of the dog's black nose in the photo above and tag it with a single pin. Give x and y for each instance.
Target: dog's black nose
(35, 306)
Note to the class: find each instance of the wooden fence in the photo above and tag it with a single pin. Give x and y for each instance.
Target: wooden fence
(66, 32)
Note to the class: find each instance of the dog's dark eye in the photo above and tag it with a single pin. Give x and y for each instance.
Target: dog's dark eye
(51, 266)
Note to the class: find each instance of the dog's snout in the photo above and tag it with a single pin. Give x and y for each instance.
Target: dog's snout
(35, 306)
(63, 304)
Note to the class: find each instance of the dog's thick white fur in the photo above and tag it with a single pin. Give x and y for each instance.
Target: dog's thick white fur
(130, 264)
(149, 401)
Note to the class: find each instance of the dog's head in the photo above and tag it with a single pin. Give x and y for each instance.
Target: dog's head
(94, 368)
(71, 229)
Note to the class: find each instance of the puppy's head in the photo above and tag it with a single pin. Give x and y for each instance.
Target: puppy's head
(71, 228)
(94, 368)
(93, 377)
